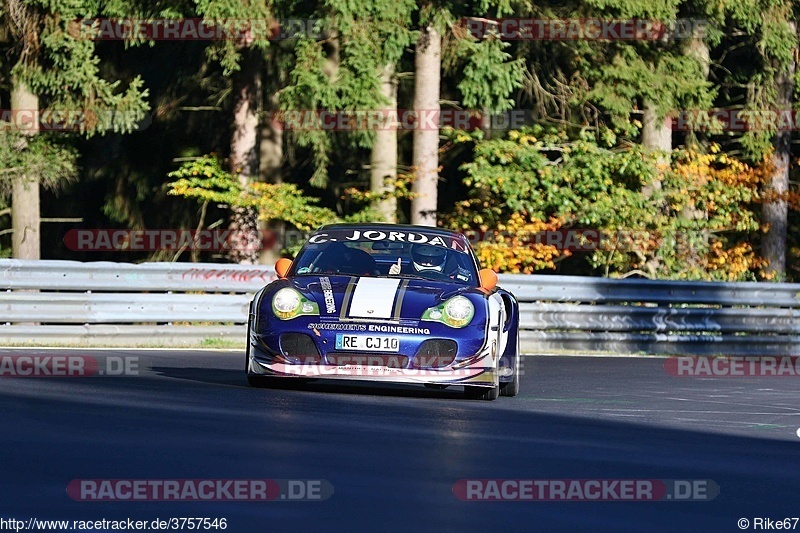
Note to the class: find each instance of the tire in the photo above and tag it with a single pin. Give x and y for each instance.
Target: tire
(269, 382)
(481, 393)
(511, 388)
(255, 380)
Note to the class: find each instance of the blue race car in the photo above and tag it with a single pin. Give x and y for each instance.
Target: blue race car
(388, 303)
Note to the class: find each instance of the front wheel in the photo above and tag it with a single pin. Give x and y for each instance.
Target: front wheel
(511, 388)
(271, 382)
(256, 380)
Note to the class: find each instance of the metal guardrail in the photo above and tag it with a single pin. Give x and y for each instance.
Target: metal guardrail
(127, 277)
(566, 313)
(118, 303)
(125, 304)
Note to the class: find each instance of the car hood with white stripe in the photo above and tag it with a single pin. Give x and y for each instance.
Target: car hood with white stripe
(379, 298)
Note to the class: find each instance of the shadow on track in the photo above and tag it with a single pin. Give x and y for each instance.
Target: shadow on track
(237, 378)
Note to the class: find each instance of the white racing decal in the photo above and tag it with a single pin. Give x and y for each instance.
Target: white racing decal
(373, 298)
(327, 292)
(397, 236)
(338, 326)
(398, 329)
(497, 317)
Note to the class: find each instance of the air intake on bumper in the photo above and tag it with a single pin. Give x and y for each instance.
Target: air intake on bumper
(435, 353)
(300, 348)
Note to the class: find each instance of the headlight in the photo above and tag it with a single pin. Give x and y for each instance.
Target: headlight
(459, 310)
(456, 312)
(289, 303)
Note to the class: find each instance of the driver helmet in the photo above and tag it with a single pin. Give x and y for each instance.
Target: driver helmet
(428, 257)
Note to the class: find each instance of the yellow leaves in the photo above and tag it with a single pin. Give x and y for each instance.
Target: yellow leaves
(734, 262)
(522, 138)
(519, 245)
(696, 169)
(178, 189)
(793, 199)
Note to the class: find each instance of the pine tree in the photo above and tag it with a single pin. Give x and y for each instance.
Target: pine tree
(55, 66)
(489, 79)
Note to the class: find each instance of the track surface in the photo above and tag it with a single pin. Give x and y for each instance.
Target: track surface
(394, 454)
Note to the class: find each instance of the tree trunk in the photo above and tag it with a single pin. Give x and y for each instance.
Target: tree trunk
(271, 161)
(383, 160)
(25, 215)
(656, 133)
(775, 212)
(427, 76)
(697, 48)
(244, 154)
(270, 148)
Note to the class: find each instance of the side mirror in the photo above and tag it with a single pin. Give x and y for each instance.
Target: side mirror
(488, 279)
(282, 266)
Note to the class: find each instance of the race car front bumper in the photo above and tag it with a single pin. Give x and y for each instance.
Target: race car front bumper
(479, 370)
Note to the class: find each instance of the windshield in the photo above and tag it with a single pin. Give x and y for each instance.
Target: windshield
(437, 258)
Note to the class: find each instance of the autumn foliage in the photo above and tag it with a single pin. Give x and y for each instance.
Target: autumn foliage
(694, 218)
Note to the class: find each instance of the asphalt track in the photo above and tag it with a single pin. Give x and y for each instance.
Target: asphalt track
(393, 455)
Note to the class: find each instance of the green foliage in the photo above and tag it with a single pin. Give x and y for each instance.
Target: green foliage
(227, 51)
(696, 218)
(310, 89)
(368, 36)
(60, 65)
(674, 82)
(489, 78)
(545, 174)
(205, 180)
(764, 27)
(45, 156)
(542, 172)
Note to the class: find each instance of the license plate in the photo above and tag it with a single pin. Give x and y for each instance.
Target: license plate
(367, 343)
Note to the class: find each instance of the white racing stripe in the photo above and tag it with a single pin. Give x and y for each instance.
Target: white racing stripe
(373, 298)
